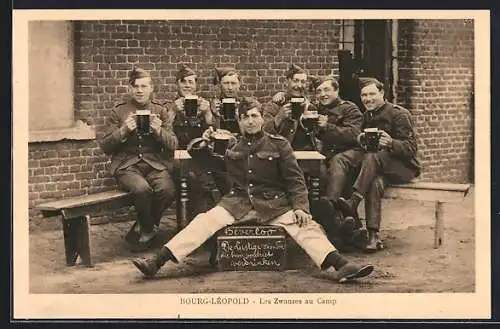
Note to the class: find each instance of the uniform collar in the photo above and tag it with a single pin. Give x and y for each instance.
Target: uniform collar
(140, 106)
(377, 110)
(334, 103)
(253, 137)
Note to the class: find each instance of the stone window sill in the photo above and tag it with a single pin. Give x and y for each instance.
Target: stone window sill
(79, 131)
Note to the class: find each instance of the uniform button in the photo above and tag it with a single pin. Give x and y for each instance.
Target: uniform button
(249, 144)
(140, 155)
(251, 195)
(275, 196)
(249, 171)
(139, 146)
(251, 185)
(209, 172)
(251, 156)
(291, 130)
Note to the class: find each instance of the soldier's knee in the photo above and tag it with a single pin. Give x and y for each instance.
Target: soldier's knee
(166, 189)
(139, 188)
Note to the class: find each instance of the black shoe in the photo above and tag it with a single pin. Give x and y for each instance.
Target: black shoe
(360, 237)
(351, 271)
(348, 208)
(148, 266)
(133, 234)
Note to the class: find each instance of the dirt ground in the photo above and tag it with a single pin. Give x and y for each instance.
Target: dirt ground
(409, 263)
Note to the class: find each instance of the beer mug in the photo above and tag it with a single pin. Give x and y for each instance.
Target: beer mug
(229, 108)
(371, 139)
(191, 105)
(221, 140)
(309, 120)
(297, 107)
(142, 118)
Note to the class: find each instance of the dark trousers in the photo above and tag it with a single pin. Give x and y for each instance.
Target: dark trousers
(377, 170)
(338, 170)
(153, 191)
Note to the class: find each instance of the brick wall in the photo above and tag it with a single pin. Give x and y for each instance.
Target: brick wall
(436, 75)
(430, 54)
(106, 50)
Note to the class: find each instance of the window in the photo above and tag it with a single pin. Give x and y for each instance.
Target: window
(51, 98)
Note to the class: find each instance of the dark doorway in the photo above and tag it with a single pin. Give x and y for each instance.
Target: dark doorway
(370, 55)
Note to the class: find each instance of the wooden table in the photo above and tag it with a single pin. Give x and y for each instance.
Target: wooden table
(309, 161)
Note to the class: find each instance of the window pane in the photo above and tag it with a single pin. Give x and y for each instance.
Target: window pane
(50, 58)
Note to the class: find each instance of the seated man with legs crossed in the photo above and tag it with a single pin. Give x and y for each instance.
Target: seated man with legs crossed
(393, 160)
(269, 188)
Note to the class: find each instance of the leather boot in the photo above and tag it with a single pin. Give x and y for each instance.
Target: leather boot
(150, 266)
(348, 272)
(350, 206)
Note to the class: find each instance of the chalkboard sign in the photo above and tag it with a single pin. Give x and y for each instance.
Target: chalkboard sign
(251, 248)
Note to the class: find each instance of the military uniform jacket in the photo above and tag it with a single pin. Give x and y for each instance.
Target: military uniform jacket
(396, 121)
(185, 129)
(265, 177)
(125, 151)
(289, 128)
(343, 127)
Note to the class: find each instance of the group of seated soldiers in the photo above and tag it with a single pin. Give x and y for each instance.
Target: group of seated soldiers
(364, 150)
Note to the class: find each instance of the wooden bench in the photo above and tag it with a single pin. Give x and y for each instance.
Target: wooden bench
(75, 213)
(433, 192)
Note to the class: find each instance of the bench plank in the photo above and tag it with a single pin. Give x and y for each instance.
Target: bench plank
(83, 201)
(423, 195)
(464, 188)
(428, 192)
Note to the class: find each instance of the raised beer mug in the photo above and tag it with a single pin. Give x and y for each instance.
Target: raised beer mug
(142, 118)
(191, 105)
(297, 107)
(229, 108)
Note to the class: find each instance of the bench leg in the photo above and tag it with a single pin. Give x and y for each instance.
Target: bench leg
(438, 228)
(182, 201)
(76, 240)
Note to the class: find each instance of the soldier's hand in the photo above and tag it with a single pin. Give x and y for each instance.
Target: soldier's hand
(217, 107)
(322, 120)
(285, 112)
(179, 102)
(385, 140)
(279, 97)
(207, 134)
(301, 217)
(361, 140)
(129, 125)
(204, 106)
(156, 124)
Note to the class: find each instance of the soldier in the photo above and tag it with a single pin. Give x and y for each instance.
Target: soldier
(223, 105)
(395, 161)
(280, 117)
(268, 188)
(339, 123)
(185, 125)
(141, 160)
(205, 186)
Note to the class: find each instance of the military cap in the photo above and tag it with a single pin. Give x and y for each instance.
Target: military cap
(137, 73)
(247, 103)
(221, 72)
(198, 147)
(316, 81)
(184, 71)
(363, 82)
(294, 69)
